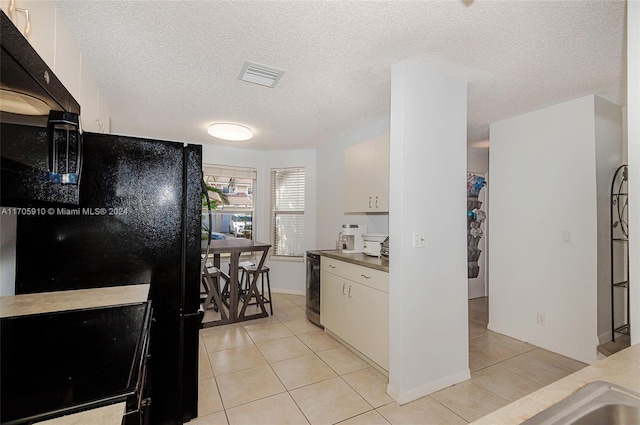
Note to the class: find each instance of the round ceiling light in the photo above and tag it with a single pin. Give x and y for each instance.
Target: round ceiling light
(232, 132)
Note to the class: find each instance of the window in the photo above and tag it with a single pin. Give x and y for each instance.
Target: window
(287, 211)
(232, 206)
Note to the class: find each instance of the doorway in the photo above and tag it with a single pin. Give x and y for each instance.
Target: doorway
(477, 225)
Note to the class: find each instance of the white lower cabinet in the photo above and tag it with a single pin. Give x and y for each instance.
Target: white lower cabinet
(355, 307)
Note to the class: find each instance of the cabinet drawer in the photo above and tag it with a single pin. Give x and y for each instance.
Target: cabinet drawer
(367, 276)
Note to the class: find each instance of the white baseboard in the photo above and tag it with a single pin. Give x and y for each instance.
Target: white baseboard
(414, 394)
(288, 291)
(605, 337)
(476, 288)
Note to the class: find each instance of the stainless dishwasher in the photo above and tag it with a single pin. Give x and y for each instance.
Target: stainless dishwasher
(313, 287)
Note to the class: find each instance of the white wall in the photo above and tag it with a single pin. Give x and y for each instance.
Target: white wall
(427, 286)
(330, 184)
(633, 135)
(544, 188)
(8, 224)
(608, 131)
(287, 276)
(478, 160)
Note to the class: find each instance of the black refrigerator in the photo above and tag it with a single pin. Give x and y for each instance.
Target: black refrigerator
(137, 221)
(97, 210)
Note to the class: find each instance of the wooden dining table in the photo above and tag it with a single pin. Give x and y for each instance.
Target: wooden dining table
(235, 247)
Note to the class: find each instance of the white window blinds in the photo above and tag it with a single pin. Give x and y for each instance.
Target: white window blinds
(287, 211)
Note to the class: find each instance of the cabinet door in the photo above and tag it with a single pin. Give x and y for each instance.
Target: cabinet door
(41, 23)
(382, 173)
(67, 59)
(88, 101)
(358, 176)
(366, 176)
(332, 311)
(103, 114)
(369, 315)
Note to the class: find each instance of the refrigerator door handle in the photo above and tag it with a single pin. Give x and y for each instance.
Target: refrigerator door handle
(200, 313)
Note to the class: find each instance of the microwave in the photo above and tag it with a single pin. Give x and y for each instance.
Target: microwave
(41, 141)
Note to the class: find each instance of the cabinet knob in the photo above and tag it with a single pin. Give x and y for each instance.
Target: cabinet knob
(365, 276)
(349, 291)
(369, 201)
(343, 285)
(332, 266)
(376, 202)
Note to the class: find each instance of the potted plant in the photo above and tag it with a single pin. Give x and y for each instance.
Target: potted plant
(214, 201)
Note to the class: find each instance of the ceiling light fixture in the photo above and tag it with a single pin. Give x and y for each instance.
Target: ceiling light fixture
(232, 132)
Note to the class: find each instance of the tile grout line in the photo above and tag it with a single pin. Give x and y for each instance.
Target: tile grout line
(448, 408)
(277, 320)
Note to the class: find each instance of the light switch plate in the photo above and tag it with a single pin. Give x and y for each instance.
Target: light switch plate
(418, 240)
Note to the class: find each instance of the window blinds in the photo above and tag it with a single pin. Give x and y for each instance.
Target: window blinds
(287, 211)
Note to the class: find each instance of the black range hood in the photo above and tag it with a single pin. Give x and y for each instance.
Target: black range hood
(40, 143)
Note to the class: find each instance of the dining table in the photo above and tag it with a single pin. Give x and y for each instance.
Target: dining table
(229, 308)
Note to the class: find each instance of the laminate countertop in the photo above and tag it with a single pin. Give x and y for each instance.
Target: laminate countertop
(622, 368)
(360, 259)
(48, 302)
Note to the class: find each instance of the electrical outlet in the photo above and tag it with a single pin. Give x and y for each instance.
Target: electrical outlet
(418, 240)
(542, 319)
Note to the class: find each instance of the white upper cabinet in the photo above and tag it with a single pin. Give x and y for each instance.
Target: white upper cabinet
(45, 29)
(103, 114)
(95, 111)
(39, 18)
(366, 176)
(88, 101)
(67, 59)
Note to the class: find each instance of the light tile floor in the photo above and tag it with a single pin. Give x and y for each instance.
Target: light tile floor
(284, 370)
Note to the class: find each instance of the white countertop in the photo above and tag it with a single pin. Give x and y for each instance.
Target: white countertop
(48, 302)
(622, 368)
(107, 415)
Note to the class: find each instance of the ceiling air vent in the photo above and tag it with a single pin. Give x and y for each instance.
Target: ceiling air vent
(260, 74)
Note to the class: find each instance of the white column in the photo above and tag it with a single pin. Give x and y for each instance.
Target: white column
(427, 286)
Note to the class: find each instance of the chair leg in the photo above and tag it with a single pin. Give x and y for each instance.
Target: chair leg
(268, 289)
(247, 285)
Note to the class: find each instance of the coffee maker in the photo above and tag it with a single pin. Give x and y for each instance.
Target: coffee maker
(351, 238)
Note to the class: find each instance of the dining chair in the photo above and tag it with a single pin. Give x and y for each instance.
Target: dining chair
(249, 273)
(210, 279)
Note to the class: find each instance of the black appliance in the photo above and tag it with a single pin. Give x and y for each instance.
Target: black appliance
(138, 221)
(313, 287)
(31, 95)
(66, 353)
(132, 218)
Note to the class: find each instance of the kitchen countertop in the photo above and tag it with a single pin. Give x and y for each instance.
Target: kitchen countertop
(107, 415)
(48, 302)
(622, 368)
(377, 263)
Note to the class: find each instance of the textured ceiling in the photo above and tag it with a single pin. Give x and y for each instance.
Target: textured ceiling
(169, 69)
